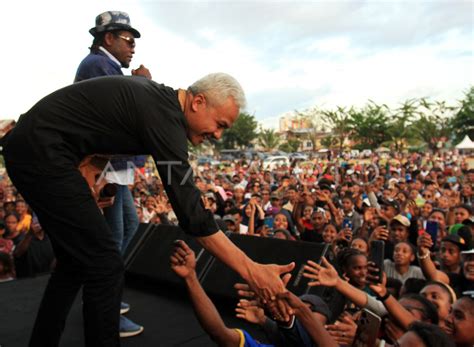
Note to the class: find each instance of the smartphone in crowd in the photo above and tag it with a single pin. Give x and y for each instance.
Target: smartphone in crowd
(268, 221)
(347, 223)
(368, 326)
(377, 255)
(383, 223)
(432, 229)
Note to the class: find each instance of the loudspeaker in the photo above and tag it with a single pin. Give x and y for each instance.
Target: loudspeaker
(151, 259)
(219, 279)
(141, 236)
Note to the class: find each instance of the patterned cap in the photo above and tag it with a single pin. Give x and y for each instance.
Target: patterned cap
(113, 20)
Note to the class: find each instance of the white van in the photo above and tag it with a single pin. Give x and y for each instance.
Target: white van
(271, 163)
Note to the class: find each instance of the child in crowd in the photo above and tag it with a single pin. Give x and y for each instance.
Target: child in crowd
(401, 268)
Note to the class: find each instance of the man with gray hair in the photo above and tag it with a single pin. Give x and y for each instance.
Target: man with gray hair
(118, 115)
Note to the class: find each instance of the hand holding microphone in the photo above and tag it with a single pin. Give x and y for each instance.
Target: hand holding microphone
(142, 71)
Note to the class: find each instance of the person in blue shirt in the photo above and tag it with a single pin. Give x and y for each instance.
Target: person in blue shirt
(183, 263)
(113, 49)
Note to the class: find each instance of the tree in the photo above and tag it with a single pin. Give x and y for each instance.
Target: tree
(290, 146)
(369, 125)
(268, 139)
(462, 123)
(433, 125)
(338, 121)
(400, 130)
(329, 141)
(241, 133)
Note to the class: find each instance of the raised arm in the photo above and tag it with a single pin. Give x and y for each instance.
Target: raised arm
(397, 311)
(326, 275)
(429, 269)
(183, 263)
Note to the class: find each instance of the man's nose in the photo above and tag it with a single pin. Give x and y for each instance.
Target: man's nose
(218, 134)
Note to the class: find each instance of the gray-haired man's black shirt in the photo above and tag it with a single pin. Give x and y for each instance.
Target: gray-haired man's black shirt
(113, 115)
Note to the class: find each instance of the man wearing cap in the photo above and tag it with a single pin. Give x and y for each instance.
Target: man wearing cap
(112, 49)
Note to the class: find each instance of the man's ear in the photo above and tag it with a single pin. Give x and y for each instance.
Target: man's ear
(199, 100)
(108, 39)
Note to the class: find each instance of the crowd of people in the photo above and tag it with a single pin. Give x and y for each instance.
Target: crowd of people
(419, 205)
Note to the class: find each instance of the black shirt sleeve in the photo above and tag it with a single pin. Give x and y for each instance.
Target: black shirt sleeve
(164, 134)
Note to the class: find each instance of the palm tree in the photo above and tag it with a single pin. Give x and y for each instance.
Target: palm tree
(268, 139)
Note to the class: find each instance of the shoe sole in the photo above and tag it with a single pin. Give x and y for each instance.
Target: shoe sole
(132, 333)
(124, 310)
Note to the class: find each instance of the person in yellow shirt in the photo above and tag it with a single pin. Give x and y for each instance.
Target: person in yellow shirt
(24, 223)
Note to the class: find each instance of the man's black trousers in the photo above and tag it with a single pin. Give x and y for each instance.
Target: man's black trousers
(85, 252)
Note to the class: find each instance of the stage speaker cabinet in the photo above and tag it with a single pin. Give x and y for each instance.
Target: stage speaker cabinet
(219, 279)
(149, 257)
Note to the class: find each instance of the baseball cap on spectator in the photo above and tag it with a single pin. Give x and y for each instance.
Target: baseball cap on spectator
(392, 181)
(453, 229)
(468, 221)
(458, 241)
(392, 203)
(228, 218)
(275, 196)
(400, 219)
(317, 305)
(328, 178)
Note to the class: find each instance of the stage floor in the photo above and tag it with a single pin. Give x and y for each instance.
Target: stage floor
(166, 314)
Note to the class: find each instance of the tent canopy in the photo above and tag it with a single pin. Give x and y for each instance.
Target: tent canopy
(466, 143)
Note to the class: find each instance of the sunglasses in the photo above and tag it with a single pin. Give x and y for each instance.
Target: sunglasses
(129, 40)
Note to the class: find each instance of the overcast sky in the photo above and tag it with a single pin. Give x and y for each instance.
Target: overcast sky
(286, 54)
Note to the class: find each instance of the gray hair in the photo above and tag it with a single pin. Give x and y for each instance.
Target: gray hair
(218, 87)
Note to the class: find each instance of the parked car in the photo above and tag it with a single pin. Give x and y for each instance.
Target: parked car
(299, 156)
(272, 162)
(207, 160)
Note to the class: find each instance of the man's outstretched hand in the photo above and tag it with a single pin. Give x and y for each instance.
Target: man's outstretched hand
(266, 281)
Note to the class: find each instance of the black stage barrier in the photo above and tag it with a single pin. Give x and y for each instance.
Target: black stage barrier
(219, 279)
(148, 258)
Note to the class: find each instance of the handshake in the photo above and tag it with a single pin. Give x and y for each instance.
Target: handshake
(282, 307)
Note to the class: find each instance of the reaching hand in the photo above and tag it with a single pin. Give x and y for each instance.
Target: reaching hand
(295, 303)
(183, 260)
(344, 330)
(322, 275)
(250, 311)
(265, 280)
(379, 288)
(244, 291)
